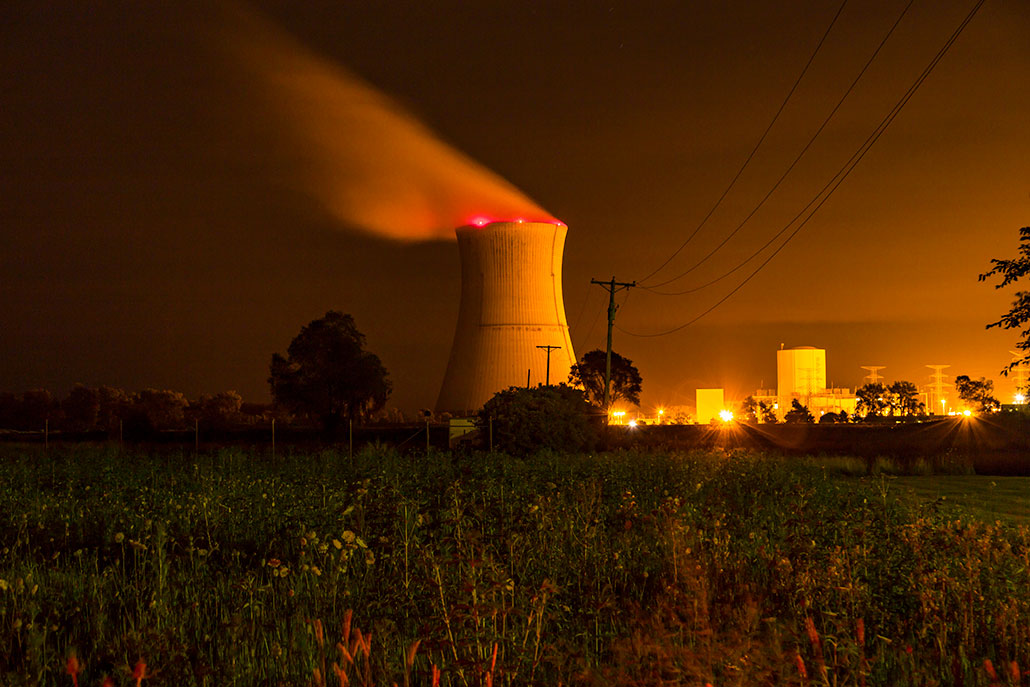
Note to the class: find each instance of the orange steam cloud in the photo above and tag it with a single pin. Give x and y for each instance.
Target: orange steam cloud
(369, 163)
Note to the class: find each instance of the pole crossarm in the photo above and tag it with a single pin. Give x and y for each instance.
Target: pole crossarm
(547, 377)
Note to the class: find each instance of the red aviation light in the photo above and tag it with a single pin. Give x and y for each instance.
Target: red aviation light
(482, 221)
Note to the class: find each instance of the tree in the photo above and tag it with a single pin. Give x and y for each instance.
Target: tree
(328, 375)
(589, 374)
(81, 408)
(1019, 314)
(524, 421)
(114, 407)
(766, 413)
(871, 399)
(219, 411)
(748, 410)
(157, 409)
(798, 414)
(977, 392)
(903, 399)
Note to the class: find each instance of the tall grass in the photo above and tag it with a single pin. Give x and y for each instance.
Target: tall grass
(624, 568)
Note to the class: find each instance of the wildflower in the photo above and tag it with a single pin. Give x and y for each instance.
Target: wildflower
(409, 659)
(3, 585)
(108, 681)
(137, 545)
(813, 636)
(274, 562)
(337, 544)
(119, 537)
(342, 676)
(800, 662)
(73, 668)
(436, 676)
(1014, 669)
(989, 667)
(860, 631)
(348, 537)
(139, 672)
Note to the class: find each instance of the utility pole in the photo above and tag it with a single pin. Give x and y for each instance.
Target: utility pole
(611, 287)
(547, 376)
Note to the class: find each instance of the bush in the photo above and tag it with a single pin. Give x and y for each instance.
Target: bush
(548, 417)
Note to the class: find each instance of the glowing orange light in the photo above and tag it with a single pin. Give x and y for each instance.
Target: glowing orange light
(726, 415)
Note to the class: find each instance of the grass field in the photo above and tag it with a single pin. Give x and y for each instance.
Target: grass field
(987, 498)
(624, 568)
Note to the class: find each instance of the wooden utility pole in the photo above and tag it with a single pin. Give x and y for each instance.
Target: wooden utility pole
(611, 287)
(547, 376)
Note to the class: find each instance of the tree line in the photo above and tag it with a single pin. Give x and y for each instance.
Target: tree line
(899, 399)
(112, 409)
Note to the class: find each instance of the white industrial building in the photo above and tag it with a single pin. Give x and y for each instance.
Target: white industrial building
(801, 375)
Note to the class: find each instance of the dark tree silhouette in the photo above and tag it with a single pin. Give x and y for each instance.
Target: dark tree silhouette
(748, 410)
(328, 375)
(903, 399)
(81, 408)
(1018, 315)
(798, 414)
(977, 392)
(766, 413)
(872, 399)
(589, 374)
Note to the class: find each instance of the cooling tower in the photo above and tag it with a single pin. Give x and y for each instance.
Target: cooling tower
(511, 303)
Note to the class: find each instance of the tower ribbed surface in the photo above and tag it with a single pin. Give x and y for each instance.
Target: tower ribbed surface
(511, 302)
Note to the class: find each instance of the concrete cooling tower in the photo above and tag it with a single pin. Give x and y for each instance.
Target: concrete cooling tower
(511, 303)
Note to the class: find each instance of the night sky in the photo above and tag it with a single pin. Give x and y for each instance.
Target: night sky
(184, 185)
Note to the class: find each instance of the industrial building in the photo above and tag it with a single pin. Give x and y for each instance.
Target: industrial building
(709, 403)
(801, 376)
(511, 328)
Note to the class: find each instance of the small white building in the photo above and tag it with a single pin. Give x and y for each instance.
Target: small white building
(709, 403)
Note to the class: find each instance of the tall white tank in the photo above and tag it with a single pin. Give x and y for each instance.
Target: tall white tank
(511, 303)
(800, 373)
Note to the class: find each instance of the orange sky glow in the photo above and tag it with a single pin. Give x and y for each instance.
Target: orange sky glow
(186, 185)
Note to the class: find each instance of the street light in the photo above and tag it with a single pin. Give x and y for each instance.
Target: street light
(944, 403)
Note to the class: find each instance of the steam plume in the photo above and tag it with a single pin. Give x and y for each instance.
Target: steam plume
(363, 158)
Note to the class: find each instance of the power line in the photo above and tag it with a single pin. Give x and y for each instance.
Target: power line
(841, 175)
(786, 172)
(754, 150)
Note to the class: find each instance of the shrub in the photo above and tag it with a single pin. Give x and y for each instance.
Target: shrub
(525, 421)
